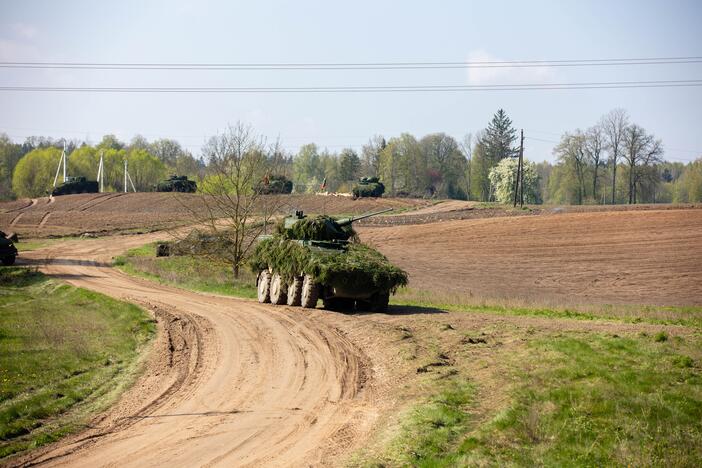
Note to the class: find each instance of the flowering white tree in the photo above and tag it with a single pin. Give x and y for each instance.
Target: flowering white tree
(502, 180)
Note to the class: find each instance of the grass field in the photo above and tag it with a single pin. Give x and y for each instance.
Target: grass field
(190, 272)
(65, 354)
(575, 400)
(458, 302)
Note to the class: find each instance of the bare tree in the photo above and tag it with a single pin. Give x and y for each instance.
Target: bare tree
(641, 151)
(233, 208)
(467, 149)
(613, 126)
(594, 144)
(370, 155)
(571, 151)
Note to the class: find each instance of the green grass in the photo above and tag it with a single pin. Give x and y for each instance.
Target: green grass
(578, 400)
(65, 354)
(664, 315)
(196, 273)
(34, 244)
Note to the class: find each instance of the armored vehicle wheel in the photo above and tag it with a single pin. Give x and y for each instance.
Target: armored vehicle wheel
(7, 261)
(278, 290)
(310, 293)
(295, 292)
(263, 286)
(380, 301)
(339, 304)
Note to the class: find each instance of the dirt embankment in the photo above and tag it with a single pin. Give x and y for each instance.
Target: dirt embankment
(614, 257)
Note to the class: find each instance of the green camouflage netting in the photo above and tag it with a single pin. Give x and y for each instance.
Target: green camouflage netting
(321, 228)
(355, 264)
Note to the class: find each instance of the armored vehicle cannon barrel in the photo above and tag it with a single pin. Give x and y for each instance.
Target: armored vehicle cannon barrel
(348, 221)
(320, 257)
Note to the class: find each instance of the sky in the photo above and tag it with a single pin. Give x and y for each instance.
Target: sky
(208, 31)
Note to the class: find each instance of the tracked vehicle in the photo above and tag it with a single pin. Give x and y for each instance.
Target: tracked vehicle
(8, 251)
(368, 187)
(320, 258)
(76, 185)
(177, 183)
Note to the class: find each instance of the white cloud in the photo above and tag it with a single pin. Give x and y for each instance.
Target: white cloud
(23, 30)
(504, 75)
(15, 51)
(257, 118)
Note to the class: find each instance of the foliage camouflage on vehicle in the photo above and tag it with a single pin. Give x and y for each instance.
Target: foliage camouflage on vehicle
(319, 247)
(368, 187)
(320, 228)
(275, 184)
(356, 264)
(76, 185)
(177, 184)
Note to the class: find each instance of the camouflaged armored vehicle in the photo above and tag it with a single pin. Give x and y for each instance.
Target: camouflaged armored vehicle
(275, 184)
(8, 251)
(368, 187)
(319, 257)
(177, 184)
(76, 185)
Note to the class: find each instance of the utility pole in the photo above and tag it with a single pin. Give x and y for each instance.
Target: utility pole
(127, 177)
(101, 172)
(62, 161)
(521, 169)
(519, 179)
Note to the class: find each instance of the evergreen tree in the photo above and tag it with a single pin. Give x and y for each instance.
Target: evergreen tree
(499, 138)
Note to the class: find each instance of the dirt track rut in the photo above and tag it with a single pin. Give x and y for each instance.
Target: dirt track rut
(229, 382)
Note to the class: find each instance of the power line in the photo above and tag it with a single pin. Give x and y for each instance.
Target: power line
(365, 89)
(357, 65)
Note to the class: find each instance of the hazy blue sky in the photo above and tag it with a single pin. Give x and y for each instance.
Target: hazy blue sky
(358, 31)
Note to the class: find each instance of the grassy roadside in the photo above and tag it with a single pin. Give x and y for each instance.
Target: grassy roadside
(65, 354)
(188, 272)
(690, 316)
(574, 400)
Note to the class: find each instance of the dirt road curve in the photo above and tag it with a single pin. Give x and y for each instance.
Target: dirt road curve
(230, 382)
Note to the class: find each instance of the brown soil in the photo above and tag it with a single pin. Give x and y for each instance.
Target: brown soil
(108, 213)
(616, 257)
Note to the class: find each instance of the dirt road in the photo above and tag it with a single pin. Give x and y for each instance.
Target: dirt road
(230, 382)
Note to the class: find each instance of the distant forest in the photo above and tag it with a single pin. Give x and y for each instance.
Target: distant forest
(614, 161)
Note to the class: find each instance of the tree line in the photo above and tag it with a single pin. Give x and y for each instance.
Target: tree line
(613, 161)
(28, 169)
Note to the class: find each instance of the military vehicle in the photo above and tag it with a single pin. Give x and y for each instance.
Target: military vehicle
(8, 251)
(321, 258)
(368, 187)
(177, 184)
(76, 185)
(275, 184)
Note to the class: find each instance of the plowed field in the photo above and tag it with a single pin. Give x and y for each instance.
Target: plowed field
(617, 257)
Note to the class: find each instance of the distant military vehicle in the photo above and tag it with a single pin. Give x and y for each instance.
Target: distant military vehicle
(275, 184)
(76, 185)
(319, 257)
(177, 184)
(368, 187)
(8, 251)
